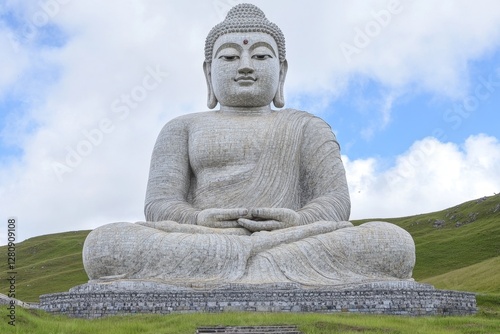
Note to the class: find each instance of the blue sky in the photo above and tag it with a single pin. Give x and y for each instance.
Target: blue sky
(417, 114)
(415, 108)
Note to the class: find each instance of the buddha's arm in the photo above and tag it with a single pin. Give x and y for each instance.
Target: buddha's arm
(169, 176)
(169, 181)
(323, 180)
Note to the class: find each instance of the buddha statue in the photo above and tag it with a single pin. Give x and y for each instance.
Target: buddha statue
(248, 194)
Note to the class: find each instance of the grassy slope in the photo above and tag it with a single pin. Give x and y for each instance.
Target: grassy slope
(46, 264)
(481, 277)
(450, 257)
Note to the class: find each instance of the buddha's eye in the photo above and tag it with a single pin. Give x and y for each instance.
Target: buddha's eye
(229, 57)
(261, 56)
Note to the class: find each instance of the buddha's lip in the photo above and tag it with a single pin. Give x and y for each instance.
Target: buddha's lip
(243, 77)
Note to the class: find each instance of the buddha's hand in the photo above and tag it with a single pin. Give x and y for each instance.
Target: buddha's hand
(220, 218)
(270, 219)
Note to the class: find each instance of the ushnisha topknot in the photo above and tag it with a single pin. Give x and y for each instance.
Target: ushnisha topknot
(245, 18)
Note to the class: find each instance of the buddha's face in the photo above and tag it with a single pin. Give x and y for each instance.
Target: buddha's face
(245, 69)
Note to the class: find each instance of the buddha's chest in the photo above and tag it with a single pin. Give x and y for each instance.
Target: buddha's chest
(222, 143)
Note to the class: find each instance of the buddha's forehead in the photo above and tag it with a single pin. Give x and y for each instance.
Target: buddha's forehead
(246, 39)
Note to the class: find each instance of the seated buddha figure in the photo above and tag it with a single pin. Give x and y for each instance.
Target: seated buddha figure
(247, 193)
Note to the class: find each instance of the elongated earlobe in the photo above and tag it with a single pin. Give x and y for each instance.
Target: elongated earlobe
(279, 98)
(211, 100)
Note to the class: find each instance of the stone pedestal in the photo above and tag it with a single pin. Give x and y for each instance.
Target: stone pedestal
(98, 299)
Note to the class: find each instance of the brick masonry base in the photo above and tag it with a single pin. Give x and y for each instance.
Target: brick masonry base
(413, 299)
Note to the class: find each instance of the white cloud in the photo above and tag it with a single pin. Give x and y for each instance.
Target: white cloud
(430, 176)
(424, 43)
(112, 44)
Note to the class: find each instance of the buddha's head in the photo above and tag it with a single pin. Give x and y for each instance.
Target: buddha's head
(245, 63)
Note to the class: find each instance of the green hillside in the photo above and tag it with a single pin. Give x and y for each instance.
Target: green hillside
(457, 248)
(482, 277)
(47, 264)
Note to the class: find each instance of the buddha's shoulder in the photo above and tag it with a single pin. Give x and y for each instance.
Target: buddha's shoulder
(185, 121)
(298, 113)
(192, 117)
(310, 119)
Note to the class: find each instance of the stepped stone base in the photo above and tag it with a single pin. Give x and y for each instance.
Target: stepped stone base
(249, 330)
(97, 299)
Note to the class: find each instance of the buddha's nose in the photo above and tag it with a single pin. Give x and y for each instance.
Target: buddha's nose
(245, 70)
(245, 66)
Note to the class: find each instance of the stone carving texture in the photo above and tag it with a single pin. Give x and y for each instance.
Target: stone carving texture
(247, 194)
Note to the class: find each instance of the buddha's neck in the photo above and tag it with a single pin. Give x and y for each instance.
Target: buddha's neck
(246, 110)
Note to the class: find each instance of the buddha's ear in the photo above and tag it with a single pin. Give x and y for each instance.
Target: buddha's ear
(212, 100)
(279, 98)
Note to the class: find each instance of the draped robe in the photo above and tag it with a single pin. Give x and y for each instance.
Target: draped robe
(298, 168)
